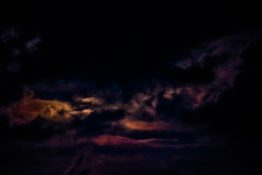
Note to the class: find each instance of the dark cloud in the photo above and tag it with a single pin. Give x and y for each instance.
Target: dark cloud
(32, 44)
(85, 99)
(107, 129)
(9, 34)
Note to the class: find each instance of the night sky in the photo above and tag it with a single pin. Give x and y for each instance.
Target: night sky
(101, 89)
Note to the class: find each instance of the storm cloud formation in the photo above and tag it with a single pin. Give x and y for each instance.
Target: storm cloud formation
(222, 57)
(86, 128)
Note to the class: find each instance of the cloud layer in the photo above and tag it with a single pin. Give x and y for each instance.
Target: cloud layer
(91, 122)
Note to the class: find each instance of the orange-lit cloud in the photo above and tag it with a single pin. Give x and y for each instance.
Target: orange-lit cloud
(140, 125)
(28, 108)
(94, 101)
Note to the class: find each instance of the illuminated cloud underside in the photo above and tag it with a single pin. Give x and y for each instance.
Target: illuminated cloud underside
(142, 103)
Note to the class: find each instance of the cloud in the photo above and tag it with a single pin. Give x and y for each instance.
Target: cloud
(28, 109)
(82, 113)
(31, 45)
(94, 101)
(112, 140)
(153, 107)
(9, 34)
(100, 126)
(140, 125)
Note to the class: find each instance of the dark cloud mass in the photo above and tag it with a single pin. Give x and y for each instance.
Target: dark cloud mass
(139, 91)
(80, 127)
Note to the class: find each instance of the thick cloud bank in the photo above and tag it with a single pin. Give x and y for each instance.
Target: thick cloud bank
(79, 127)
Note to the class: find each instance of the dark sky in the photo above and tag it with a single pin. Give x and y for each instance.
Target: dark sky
(118, 38)
(114, 88)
